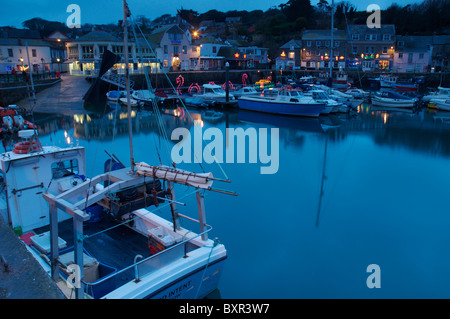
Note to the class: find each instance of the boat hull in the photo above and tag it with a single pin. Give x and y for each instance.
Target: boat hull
(442, 105)
(272, 106)
(391, 102)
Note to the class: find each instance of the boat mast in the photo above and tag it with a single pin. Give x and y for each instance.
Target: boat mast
(332, 41)
(126, 13)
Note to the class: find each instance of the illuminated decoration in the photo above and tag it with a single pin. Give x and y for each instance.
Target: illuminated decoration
(236, 55)
(195, 33)
(362, 55)
(321, 57)
(337, 58)
(231, 86)
(212, 83)
(194, 86)
(283, 54)
(180, 82)
(244, 79)
(342, 57)
(377, 56)
(245, 56)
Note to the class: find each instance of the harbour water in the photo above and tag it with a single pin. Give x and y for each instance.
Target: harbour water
(350, 191)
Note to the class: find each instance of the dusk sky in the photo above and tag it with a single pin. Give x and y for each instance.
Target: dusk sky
(13, 13)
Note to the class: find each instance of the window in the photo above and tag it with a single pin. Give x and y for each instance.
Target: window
(184, 49)
(33, 53)
(308, 53)
(336, 44)
(166, 49)
(291, 55)
(318, 44)
(10, 53)
(400, 55)
(64, 168)
(421, 56)
(194, 49)
(410, 58)
(384, 50)
(327, 44)
(175, 50)
(308, 43)
(386, 37)
(355, 37)
(371, 37)
(354, 49)
(401, 44)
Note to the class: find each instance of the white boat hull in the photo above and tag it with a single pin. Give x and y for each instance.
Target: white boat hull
(443, 105)
(379, 101)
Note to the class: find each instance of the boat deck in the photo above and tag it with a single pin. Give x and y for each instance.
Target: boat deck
(116, 247)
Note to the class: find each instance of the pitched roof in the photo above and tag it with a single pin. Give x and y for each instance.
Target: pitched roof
(293, 43)
(23, 42)
(98, 36)
(363, 29)
(324, 35)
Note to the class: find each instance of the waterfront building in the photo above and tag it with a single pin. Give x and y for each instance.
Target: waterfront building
(289, 57)
(413, 54)
(254, 56)
(85, 54)
(209, 58)
(371, 49)
(316, 49)
(174, 48)
(13, 52)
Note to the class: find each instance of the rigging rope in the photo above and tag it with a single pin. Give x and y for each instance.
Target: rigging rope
(177, 94)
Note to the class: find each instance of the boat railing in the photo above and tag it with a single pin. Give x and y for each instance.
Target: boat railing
(154, 257)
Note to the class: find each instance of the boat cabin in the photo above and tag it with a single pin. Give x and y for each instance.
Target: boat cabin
(26, 175)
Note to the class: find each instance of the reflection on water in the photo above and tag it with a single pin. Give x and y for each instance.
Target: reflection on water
(378, 181)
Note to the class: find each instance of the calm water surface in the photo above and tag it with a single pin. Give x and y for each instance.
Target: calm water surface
(385, 182)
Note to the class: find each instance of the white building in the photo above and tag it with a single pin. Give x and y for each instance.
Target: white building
(13, 55)
(85, 53)
(174, 48)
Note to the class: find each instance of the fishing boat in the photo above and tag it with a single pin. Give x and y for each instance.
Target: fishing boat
(133, 102)
(243, 91)
(441, 104)
(393, 99)
(144, 97)
(286, 102)
(213, 92)
(441, 93)
(341, 80)
(115, 95)
(331, 106)
(96, 237)
(387, 80)
(358, 93)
